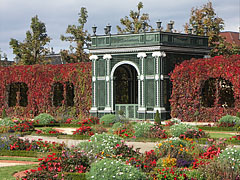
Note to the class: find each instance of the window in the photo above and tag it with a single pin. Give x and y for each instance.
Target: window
(69, 94)
(57, 94)
(17, 94)
(217, 91)
(63, 93)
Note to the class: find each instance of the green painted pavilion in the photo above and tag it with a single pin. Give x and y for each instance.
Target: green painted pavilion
(130, 72)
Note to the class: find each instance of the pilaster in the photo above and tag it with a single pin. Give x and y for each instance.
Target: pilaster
(94, 108)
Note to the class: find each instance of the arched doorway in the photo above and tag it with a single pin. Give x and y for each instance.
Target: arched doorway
(125, 89)
(126, 85)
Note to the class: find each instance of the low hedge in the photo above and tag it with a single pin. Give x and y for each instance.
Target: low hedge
(215, 128)
(46, 125)
(72, 125)
(24, 153)
(76, 137)
(73, 176)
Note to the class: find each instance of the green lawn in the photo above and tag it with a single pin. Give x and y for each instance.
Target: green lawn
(6, 173)
(220, 135)
(19, 159)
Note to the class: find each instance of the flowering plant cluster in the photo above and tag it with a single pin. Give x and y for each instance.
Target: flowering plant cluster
(232, 155)
(236, 137)
(39, 80)
(23, 126)
(188, 79)
(124, 130)
(89, 121)
(156, 131)
(84, 130)
(48, 131)
(72, 161)
(39, 146)
(193, 133)
(114, 169)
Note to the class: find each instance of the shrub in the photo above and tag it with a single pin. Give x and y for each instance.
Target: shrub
(171, 146)
(232, 155)
(44, 119)
(219, 169)
(99, 129)
(109, 169)
(157, 118)
(108, 119)
(124, 151)
(169, 162)
(228, 121)
(123, 130)
(7, 122)
(101, 144)
(84, 130)
(156, 132)
(54, 164)
(193, 133)
(4, 114)
(23, 126)
(178, 129)
(141, 129)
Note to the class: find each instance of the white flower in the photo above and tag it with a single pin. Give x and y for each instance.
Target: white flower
(92, 176)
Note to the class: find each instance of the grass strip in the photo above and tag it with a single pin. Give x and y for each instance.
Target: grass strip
(18, 158)
(8, 172)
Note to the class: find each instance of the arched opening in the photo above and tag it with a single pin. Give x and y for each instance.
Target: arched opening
(58, 97)
(125, 85)
(217, 92)
(17, 94)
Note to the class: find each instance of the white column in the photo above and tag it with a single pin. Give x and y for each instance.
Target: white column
(93, 58)
(107, 57)
(142, 107)
(159, 80)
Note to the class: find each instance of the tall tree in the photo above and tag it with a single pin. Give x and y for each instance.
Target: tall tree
(32, 50)
(206, 17)
(135, 21)
(80, 37)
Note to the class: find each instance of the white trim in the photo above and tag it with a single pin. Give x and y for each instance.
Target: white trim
(112, 93)
(101, 78)
(141, 55)
(139, 91)
(157, 94)
(156, 54)
(122, 63)
(107, 56)
(93, 57)
(196, 50)
(112, 73)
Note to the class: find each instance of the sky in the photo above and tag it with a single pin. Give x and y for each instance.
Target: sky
(15, 16)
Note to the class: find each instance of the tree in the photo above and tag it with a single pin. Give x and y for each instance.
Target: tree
(32, 50)
(80, 37)
(206, 17)
(135, 21)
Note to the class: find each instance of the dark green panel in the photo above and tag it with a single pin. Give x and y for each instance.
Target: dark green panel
(150, 92)
(101, 67)
(150, 66)
(101, 93)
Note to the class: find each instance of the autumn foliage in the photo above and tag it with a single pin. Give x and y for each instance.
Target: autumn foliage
(188, 81)
(40, 80)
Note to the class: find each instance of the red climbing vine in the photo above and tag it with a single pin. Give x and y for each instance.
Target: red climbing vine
(39, 80)
(188, 80)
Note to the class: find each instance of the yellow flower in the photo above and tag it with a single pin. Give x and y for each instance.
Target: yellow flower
(160, 144)
(180, 145)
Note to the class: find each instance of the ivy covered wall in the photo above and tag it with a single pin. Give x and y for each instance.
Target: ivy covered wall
(55, 89)
(206, 89)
